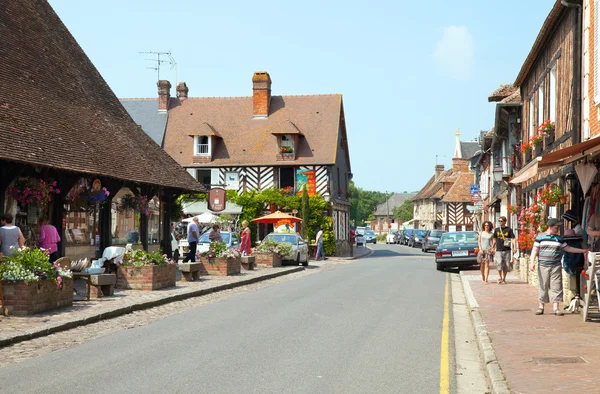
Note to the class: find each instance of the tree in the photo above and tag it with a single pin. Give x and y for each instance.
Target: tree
(363, 203)
(305, 213)
(405, 211)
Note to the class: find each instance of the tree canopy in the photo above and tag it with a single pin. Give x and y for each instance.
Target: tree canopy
(363, 203)
(405, 211)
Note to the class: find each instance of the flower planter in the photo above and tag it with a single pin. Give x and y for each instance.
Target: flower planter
(149, 277)
(220, 266)
(286, 156)
(528, 156)
(538, 150)
(26, 298)
(549, 139)
(267, 259)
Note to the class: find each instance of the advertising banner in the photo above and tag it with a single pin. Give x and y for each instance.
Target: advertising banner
(306, 179)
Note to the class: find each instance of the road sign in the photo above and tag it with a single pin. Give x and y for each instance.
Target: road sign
(474, 189)
(472, 208)
(475, 197)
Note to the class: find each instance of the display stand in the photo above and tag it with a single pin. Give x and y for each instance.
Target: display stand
(591, 281)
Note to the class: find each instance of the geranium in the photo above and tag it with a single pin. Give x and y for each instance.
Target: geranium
(525, 147)
(286, 149)
(135, 203)
(28, 190)
(536, 139)
(514, 209)
(141, 258)
(84, 196)
(550, 195)
(546, 128)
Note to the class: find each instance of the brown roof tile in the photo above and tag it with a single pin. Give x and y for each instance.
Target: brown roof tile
(250, 141)
(502, 92)
(56, 110)
(434, 188)
(460, 190)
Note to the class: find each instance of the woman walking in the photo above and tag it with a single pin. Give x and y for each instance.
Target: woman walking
(485, 254)
(245, 249)
(49, 238)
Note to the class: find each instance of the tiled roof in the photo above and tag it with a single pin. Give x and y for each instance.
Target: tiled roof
(502, 92)
(513, 98)
(250, 141)
(145, 113)
(56, 110)
(460, 190)
(469, 149)
(394, 201)
(434, 188)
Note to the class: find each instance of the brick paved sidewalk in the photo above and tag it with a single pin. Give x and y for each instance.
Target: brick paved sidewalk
(14, 329)
(519, 337)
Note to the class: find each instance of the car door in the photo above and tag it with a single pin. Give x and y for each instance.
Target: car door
(303, 249)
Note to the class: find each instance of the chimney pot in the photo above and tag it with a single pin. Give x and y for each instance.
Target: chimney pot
(261, 94)
(164, 94)
(182, 90)
(439, 168)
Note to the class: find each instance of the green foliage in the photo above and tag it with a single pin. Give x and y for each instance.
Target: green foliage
(363, 203)
(141, 258)
(30, 264)
(284, 249)
(305, 213)
(405, 211)
(381, 237)
(328, 238)
(218, 249)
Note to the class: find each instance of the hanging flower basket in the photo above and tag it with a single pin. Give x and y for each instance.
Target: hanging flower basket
(82, 195)
(129, 202)
(546, 128)
(29, 190)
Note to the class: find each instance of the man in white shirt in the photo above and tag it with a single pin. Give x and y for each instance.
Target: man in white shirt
(193, 236)
(320, 252)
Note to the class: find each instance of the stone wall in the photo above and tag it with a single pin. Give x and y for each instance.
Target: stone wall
(150, 277)
(26, 298)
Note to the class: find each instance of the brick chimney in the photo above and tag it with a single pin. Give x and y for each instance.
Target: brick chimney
(460, 165)
(182, 91)
(164, 93)
(439, 168)
(261, 94)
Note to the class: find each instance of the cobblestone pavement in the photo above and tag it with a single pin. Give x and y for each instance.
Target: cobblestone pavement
(76, 336)
(519, 337)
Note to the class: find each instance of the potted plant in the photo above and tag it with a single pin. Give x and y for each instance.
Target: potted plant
(32, 284)
(547, 130)
(525, 147)
(130, 202)
(29, 190)
(220, 260)
(270, 253)
(141, 270)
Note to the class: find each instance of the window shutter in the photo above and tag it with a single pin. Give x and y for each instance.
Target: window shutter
(596, 38)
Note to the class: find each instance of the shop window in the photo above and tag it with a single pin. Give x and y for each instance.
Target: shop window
(154, 224)
(81, 235)
(125, 225)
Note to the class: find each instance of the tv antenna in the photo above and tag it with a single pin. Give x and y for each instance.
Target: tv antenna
(436, 158)
(167, 58)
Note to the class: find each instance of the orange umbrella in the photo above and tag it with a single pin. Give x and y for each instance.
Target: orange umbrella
(277, 217)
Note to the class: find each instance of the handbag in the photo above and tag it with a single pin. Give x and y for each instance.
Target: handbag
(506, 242)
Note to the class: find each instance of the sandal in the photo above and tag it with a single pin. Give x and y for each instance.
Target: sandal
(540, 311)
(557, 312)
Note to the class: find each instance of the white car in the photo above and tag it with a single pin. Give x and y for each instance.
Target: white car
(230, 240)
(390, 238)
(299, 246)
(360, 237)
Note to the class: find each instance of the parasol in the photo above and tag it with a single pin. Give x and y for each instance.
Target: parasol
(277, 217)
(586, 174)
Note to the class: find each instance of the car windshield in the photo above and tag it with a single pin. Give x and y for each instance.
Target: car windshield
(371, 233)
(287, 238)
(420, 233)
(204, 238)
(360, 232)
(408, 232)
(436, 233)
(458, 238)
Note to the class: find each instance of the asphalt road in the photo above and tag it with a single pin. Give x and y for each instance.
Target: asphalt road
(371, 326)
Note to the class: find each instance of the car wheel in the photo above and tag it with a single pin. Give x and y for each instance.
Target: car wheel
(298, 259)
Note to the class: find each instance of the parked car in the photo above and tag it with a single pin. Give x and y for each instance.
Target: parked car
(370, 237)
(391, 237)
(456, 250)
(416, 238)
(406, 236)
(432, 239)
(360, 237)
(299, 246)
(230, 240)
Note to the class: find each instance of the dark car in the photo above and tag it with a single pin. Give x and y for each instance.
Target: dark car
(405, 236)
(432, 239)
(416, 238)
(370, 237)
(456, 250)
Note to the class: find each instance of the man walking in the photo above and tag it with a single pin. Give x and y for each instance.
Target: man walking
(502, 242)
(549, 247)
(192, 238)
(320, 252)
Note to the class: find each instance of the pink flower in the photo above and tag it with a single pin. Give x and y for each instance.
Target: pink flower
(57, 191)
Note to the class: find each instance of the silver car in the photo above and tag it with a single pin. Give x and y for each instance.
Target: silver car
(230, 240)
(299, 246)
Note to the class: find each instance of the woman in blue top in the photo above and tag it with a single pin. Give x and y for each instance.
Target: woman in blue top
(549, 247)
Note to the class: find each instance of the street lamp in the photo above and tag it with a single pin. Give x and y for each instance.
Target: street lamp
(498, 173)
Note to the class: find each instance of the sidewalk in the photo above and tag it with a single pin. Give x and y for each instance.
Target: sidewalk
(358, 252)
(536, 354)
(15, 329)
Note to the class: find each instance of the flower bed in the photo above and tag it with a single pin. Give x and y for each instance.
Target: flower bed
(219, 260)
(268, 259)
(141, 270)
(270, 253)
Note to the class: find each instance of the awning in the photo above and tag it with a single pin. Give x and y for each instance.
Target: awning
(570, 154)
(529, 171)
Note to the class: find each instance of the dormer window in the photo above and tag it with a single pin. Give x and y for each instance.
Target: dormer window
(286, 144)
(202, 145)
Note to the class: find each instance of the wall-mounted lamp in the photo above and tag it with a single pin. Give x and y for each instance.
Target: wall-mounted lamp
(498, 173)
(571, 179)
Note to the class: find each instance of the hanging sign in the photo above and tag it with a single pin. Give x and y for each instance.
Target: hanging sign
(306, 179)
(217, 199)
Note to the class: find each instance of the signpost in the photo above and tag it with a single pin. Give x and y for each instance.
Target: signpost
(474, 189)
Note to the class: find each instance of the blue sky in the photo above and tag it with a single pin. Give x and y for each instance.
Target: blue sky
(411, 72)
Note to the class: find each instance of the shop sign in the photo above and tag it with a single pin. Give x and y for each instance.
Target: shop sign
(217, 199)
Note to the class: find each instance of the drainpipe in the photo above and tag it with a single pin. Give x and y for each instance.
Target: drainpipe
(577, 72)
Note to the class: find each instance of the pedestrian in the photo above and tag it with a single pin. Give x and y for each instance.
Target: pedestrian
(245, 246)
(215, 234)
(485, 254)
(11, 237)
(174, 243)
(593, 232)
(49, 238)
(502, 242)
(192, 238)
(320, 252)
(549, 248)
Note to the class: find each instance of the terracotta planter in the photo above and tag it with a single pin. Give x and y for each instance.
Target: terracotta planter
(220, 266)
(267, 259)
(149, 277)
(26, 298)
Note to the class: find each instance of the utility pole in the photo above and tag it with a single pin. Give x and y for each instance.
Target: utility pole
(387, 204)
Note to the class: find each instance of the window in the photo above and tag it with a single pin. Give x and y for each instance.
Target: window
(552, 109)
(541, 103)
(202, 145)
(531, 121)
(596, 54)
(203, 176)
(287, 144)
(232, 180)
(286, 177)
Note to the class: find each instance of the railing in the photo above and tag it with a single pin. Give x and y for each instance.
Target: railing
(202, 149)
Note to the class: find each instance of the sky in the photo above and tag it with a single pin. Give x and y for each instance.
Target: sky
(411, 73)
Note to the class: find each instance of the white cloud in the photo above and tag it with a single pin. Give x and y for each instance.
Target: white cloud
(455, 51)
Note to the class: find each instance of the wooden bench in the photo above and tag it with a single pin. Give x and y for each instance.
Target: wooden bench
(190, 272)
(248, 262)
(102, 285)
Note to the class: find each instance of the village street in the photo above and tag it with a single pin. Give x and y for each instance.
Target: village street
(371, 325)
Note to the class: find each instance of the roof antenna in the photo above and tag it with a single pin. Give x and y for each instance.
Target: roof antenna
(158, 61)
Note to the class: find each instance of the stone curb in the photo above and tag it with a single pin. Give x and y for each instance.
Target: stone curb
(136, 307)
(493, 372)
(370, 252)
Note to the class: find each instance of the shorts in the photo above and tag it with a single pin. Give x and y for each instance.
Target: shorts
(503, 260)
